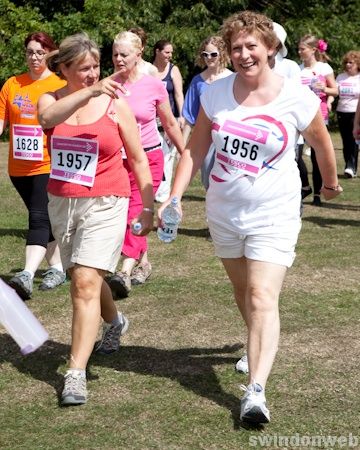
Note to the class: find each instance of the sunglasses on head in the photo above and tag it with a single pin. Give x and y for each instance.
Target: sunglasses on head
(209, 54)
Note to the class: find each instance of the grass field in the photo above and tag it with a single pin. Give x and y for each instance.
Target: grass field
(173, 384)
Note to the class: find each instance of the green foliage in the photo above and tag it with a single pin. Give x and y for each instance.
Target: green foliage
(184, 23)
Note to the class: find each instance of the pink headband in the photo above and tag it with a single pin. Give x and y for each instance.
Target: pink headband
(322, 46)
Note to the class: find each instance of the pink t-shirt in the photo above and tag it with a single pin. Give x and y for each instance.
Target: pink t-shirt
(143, 97)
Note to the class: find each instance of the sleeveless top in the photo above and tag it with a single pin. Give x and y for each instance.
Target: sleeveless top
(169, 84)
(111, 178)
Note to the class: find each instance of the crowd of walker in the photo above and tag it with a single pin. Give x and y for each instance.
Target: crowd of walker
(113, 143)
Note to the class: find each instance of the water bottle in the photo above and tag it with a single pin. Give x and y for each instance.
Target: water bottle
(136, 228)
(313, 82)
(19, 321)
(170, 220)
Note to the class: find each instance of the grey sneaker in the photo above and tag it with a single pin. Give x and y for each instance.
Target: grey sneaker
(74, 392)
(120, 284)
(23, 284)
(242, 365)
(253, 405)
(52, 278)
(141, 273)
(110, 340)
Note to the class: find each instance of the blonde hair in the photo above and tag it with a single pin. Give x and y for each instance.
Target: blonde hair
(72, 49)
(218, 42)
(132, 38)
(313, 42)
(351, 55)
(249, 22)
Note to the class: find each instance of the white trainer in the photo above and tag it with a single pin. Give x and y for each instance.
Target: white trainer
(253, 405)
(242, 365)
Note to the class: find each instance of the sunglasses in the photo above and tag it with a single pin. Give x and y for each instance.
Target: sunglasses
(209, 54)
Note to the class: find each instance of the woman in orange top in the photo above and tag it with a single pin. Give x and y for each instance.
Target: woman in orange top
(29, 161)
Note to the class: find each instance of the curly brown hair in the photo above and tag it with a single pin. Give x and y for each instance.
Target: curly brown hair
(218, 42)
(252, 23)
(351, 55)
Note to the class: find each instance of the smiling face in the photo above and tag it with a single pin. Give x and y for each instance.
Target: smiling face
(249, 54)
(125, 57)
(35, 57)
(211, 56)
(82, 73)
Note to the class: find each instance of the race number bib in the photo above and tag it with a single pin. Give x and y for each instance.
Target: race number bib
(243, 147)
(28, 142)
(74, 160)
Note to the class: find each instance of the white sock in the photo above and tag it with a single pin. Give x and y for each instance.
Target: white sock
(58, 266)
(80, 372)
(30, 272)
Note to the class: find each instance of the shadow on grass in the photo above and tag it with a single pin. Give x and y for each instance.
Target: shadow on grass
(327, 222)
(13, 232)
(192, 368)
(336, 206)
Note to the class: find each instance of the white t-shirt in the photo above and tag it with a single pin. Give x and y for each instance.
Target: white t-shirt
(255, 179)
(287, 68)
(349, 92)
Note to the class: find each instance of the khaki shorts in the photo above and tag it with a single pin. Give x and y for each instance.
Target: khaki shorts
(89, 231)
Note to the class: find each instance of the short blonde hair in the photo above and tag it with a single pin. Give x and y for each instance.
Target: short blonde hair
(249, 22)
(132, 38)
(218, 42)
(72, 49)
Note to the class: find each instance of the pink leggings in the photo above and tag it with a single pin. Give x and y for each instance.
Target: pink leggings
(135, 246)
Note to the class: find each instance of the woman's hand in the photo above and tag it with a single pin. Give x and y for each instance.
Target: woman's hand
(108, 86)
(330, 192)
(146, 220)
(163, 206)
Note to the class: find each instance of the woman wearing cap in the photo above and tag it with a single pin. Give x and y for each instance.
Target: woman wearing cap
(318, 75)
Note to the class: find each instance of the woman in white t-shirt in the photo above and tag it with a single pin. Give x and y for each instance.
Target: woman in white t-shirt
(317, 74)
(349, 91)
(254, 118)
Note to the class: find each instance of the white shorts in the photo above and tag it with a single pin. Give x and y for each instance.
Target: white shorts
(90, 230)
(268, 244)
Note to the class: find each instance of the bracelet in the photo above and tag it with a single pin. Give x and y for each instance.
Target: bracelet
(331, 188)
(149, 210)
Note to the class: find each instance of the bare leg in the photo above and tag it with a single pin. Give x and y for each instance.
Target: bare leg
(34, 254)
(108, 307)
(261, 283)
(53, 254)
(86, 287)
(144, 258)
(128, 264)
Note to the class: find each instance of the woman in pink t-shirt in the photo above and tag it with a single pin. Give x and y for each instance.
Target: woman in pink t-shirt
(148, 98)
